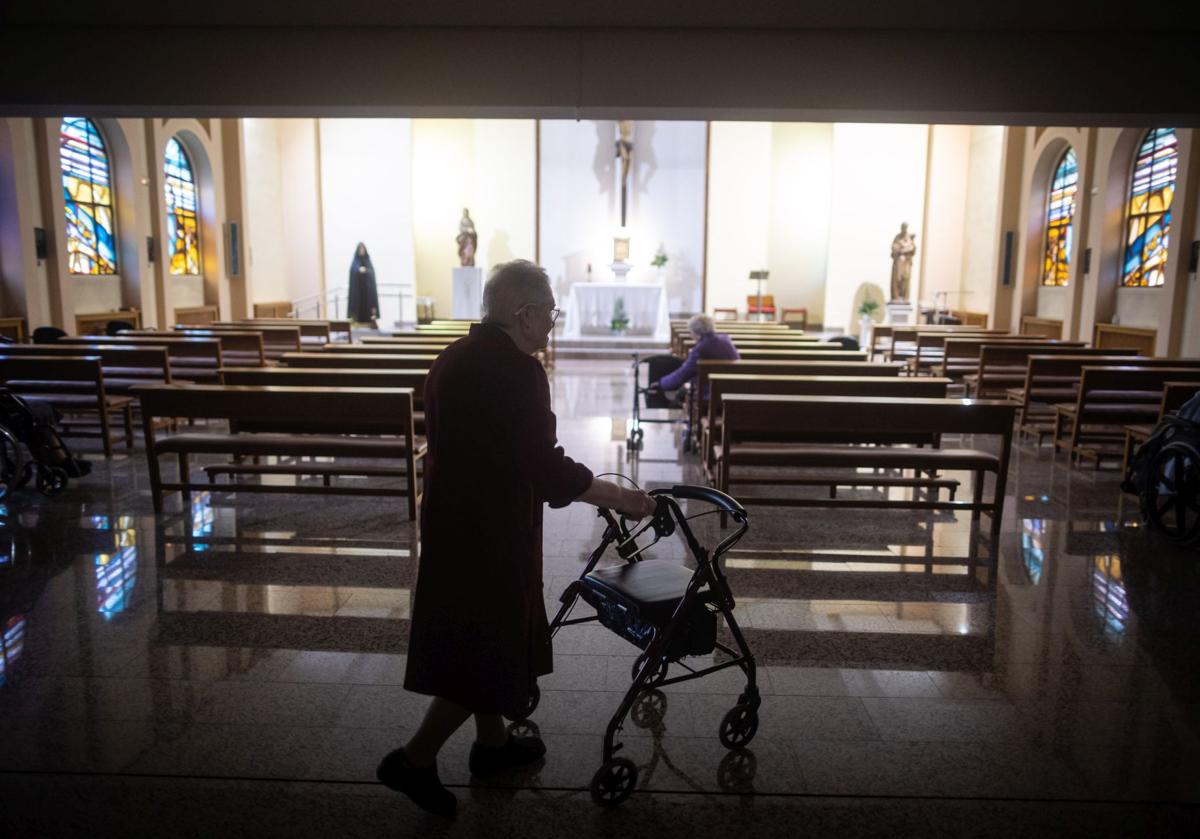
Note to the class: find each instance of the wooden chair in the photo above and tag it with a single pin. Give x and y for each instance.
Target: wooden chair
(287, 422)
(767, 308)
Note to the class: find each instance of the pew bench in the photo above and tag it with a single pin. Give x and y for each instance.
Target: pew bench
(74, 386)
(191, 359)
(366, 361)
(819, 432)
(721, 384)
(1175, 394)
(1110, 398)
(286, 422)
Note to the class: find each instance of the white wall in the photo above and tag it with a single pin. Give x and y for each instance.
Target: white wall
(878, 182)
(264, 210)
(486, 166)
(580, 204)
(801, 182)
(299, 197)
(941, 259)
(981, 219)
(366, 191)
(739, 209)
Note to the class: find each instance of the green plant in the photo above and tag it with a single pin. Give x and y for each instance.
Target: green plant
(620, 319)
(868, 307)
(660, 258)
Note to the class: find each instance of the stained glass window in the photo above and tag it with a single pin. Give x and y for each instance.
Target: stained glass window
(87, 198)
(1149, 223)
(1060, 215)
(182, 230)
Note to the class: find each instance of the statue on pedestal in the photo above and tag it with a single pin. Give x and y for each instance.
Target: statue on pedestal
(904, 247)
(467, 240)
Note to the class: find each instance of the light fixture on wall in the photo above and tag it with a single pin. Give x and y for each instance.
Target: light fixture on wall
(39, 243)
(150, 249)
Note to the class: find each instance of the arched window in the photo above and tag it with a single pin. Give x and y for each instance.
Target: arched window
(182, 232)
(1153, 187)
(87, 198)
(1060, 215)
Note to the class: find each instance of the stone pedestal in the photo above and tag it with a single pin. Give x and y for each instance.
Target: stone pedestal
(466, 293)
(901, 313)
(621, 270)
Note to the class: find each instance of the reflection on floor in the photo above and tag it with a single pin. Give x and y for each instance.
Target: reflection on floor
(235, 666)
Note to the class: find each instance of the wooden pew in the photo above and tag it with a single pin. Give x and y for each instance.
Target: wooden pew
(1045, 327)
(273, 308)
(74, 386)
(906, 340)
(374, 361)
(821, 432)
(238, 349)
(191, 359)
(1110, 398)
(723, 383)
(931, 351)
(436, 340)
(294, 422)
(317, 332)
(960, 356)
(276, 339)
(384, 349)
(1053, 379)
(1175, 394)
(812, 352)
(123, 367)
(825, 366)
(1002, 366)
(197, 315)
(95, 323)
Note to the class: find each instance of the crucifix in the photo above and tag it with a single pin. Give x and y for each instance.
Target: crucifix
(624, 145)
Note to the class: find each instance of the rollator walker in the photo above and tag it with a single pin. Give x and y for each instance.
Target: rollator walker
(670, 612)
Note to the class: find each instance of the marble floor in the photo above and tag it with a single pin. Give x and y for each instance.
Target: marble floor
(235, 666)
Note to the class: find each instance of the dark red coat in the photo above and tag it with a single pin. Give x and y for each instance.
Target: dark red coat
(479, 633)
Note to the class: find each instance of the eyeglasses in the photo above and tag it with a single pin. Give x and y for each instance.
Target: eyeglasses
(553, 311)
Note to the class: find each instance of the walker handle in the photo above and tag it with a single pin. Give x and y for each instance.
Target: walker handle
(712, 496)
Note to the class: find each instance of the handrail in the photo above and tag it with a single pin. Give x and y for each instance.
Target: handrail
(334, 302)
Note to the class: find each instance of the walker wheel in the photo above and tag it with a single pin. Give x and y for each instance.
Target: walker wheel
(614, 782)
(738, 726)
(656, 677)
(535, 696)
(51, 481)
(648, 709)
(26, 474)
(1172, 504)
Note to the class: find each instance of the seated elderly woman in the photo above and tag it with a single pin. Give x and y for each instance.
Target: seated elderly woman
(710, 345)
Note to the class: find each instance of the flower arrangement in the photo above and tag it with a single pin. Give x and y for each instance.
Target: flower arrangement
(660, 258)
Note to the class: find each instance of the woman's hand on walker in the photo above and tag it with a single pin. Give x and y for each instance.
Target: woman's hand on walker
(635, 504)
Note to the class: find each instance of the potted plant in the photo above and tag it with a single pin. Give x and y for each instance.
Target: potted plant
(620, 319)
(866, 313)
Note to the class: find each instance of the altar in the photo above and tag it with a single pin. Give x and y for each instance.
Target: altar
(589, 310)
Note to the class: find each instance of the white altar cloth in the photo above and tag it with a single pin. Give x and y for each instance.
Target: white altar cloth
(589, 309)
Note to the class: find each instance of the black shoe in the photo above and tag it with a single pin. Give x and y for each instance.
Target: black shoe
(421, 785)
(518, 751)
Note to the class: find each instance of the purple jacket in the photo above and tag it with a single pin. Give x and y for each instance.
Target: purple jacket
(713, 347)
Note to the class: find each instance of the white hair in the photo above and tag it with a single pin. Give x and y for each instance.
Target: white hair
(701, 325)
(512, 285)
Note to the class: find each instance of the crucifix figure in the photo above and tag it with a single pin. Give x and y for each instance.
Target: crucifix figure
(625, 152)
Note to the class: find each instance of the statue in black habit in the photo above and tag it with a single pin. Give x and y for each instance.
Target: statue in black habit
(364, 297)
